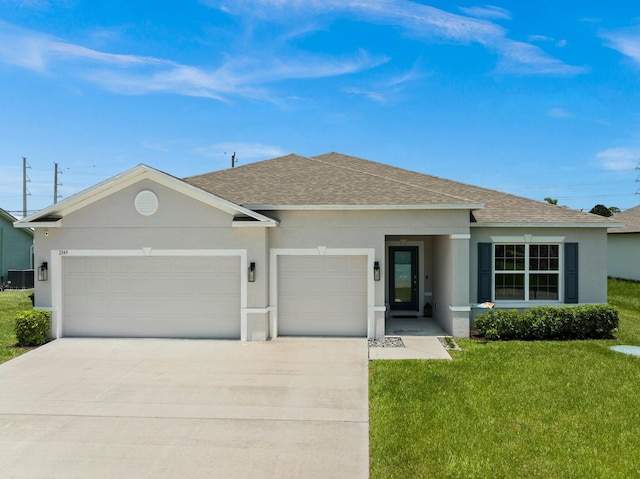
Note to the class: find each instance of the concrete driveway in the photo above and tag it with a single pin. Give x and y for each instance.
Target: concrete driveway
(154, 408)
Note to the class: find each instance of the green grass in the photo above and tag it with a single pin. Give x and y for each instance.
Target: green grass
(625, 295)
(513, 409)
(11, 302)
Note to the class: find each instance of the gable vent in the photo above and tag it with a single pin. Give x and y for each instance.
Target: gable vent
(146, 202)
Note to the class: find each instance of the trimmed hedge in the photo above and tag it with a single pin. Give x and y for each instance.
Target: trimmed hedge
(597, 321)
(32, 327)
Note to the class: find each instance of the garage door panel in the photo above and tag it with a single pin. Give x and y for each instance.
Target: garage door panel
(152, 297)
(322, 295)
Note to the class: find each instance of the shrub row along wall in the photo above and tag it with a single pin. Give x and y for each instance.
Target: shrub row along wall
(550, 322)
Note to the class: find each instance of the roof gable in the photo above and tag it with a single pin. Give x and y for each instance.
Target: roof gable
(51, 216)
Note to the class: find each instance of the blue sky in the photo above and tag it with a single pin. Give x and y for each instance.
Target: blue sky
(539, 99)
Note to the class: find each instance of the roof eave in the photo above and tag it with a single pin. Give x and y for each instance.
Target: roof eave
(125, 179)
(38, 224)
(266, 207)
(545, 225)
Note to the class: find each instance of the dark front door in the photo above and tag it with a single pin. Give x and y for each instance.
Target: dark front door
(403, 281)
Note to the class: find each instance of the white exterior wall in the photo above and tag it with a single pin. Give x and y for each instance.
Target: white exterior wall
(592, 262)
(624, 255)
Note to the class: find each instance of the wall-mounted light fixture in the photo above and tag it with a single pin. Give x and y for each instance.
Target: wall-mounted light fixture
(252, 272)
(43, 272)
(376, 271)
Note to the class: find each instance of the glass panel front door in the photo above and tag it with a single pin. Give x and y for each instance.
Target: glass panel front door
(403, 282)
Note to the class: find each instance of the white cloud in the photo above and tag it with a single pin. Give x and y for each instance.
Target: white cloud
(376, 96)
(384, 92)
(420, 20)
(626, 41)
(526, 59)
(37, 51)
(539, 38)
(159, 146)
(559, 113)
(244, 151)
(543, 38)
(488, 11)
(248, 74)
(134, 74)
(619, 159)
(39, 4)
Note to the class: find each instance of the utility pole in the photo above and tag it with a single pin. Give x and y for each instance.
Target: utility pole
(25, 180)
(56, 184)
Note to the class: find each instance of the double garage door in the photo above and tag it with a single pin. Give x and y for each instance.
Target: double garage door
(199, 297)
(177, 297)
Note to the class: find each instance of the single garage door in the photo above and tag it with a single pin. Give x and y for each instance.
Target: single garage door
(176, 297)
(322, 295)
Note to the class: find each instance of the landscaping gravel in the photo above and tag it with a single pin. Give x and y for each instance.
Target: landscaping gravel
(386, 342)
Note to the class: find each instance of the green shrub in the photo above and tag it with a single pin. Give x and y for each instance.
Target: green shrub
(32, 327)
(550, 322)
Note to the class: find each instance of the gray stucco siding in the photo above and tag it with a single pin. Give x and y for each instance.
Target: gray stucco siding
(592, 263)
(624, 255)
(181, 223)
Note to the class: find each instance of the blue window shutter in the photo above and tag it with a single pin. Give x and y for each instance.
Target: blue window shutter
(484, 272)
(571, 273)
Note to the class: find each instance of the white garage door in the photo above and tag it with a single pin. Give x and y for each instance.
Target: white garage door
(322, 295)
(156, 297)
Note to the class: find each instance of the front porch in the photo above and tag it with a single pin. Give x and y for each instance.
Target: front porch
(427, 285)
(417, 326)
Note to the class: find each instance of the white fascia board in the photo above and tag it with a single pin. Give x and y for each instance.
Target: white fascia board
(39, 224)
(543, 225)
(474, 206)
(255, 224)
(617, 225)
(128, 178)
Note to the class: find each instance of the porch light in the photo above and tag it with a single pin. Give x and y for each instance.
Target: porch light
(252, 272)
(376, 271)
(43, 273)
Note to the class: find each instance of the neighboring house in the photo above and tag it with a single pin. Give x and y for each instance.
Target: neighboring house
(330, 245)
(16, 249)
(624, 246)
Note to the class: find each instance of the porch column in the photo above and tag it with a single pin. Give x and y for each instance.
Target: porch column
(459, 309)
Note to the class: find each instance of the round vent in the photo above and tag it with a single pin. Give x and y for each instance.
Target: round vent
(146, 203)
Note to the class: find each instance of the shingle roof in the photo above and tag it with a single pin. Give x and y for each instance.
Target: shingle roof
(631, 219)
(336, 179)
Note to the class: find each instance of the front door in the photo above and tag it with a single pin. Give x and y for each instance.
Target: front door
(403, 281)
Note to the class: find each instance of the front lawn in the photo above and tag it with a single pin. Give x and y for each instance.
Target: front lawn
(11, 302)
(513, 409)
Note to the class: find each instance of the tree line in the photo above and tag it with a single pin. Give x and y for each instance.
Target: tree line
(601, 210)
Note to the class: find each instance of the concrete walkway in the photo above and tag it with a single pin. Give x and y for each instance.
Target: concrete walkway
(420, 338)
(415, 347)
(105, 408)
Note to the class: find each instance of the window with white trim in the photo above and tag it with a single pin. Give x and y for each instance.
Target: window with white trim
(526, 272)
